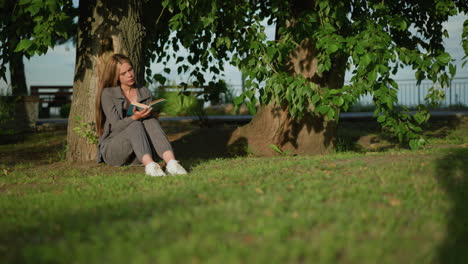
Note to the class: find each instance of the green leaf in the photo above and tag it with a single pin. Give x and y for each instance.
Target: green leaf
(453, 69)
(372, 76)
(277, 149)
(444, 58)
(331, 114)
(159, 78)
(338, 101)
(24, 45)
(419, 118)
(417, 143)
(403, 25)
(239, 100)
(365, 60)
(227, 40)
(323, 109)
(389, 101)
(315, 98)
(34, 8)
(252, 108)
(334, 91)
(381, 118)
(332, 48)
(271, 51)
(52, 4)
(359, 49)
(321, 68)
(206, 21)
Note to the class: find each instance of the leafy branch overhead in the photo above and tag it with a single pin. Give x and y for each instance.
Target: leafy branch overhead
(30, 27)
(375, 39)
(53, 20)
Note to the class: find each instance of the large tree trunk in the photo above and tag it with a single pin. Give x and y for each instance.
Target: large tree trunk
(26, 108)
(17, 76)
(105, 27)
(273, 124)
(15, 59)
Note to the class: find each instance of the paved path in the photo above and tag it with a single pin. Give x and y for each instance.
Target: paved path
(247, 118)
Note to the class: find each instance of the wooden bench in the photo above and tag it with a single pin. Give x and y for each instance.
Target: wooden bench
(52, 97)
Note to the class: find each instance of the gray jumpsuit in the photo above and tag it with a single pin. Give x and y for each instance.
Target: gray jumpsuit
(125, 140)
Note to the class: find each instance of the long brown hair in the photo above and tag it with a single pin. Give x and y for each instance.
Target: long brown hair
(109, 78)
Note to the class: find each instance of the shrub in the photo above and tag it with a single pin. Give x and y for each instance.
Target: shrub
(65, 110)
(7, 106)
(181, 104)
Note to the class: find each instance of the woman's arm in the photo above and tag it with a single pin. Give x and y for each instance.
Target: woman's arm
(112, 116)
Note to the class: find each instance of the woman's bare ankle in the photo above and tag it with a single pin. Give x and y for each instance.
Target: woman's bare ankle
(146, 159)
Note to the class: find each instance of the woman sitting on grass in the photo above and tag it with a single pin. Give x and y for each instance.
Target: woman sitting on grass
(122, 137)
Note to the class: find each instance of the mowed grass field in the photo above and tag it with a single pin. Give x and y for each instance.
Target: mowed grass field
(390, 205)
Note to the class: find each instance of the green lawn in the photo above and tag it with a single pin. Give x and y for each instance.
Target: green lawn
(394, 206)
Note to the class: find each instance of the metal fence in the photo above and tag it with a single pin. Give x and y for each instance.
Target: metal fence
(410, 94)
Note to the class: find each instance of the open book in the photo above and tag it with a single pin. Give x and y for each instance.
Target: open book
(154, 105)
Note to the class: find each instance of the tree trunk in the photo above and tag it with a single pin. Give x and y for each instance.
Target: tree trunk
(15, 59)
(105, 27)
(24, 118)
(273, 124)
(17, 76)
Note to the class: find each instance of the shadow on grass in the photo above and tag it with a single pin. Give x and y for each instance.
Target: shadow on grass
(37, 154)
(42, 241)
(452, 171)
(367, 135)
(204, 144)
(212, 142)
(440, 127)
(362, 136)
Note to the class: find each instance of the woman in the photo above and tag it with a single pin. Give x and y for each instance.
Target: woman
(123, 138)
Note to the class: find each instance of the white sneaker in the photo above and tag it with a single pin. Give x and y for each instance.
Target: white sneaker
(174, 168)
(154, 170)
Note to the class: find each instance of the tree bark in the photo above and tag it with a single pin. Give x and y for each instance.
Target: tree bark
(105, 27)
(23, 114)
(17, 76)
(15, 59)
(273, 125)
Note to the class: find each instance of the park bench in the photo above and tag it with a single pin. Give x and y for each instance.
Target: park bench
(52, 98)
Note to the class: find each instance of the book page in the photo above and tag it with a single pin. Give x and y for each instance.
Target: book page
(139, 105)
(157, 101)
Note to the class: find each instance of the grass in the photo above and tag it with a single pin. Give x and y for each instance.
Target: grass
(392, 206)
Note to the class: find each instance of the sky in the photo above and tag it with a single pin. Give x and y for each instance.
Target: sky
(56, 67)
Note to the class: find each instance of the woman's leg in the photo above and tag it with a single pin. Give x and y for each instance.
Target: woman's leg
(161, 145)
(133, 139)
(158, 139)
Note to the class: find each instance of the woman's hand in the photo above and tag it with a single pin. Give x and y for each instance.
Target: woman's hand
(144, 113)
